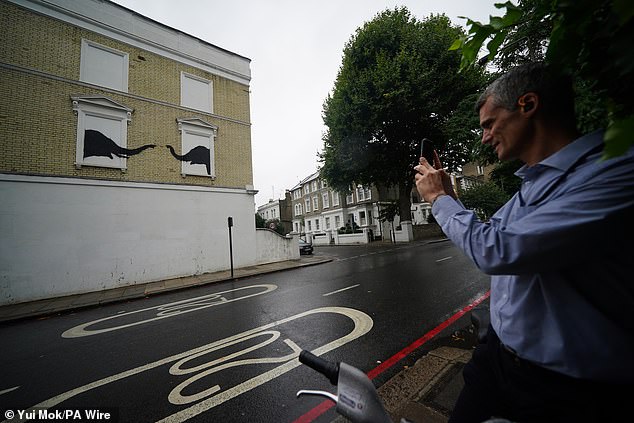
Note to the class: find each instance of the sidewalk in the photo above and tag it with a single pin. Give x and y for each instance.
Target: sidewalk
(71, 302)
(427, 391)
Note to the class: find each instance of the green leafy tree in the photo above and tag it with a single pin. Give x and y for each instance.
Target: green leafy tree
(503, 175)
(260, 222)
(588, 39)
(275, 225)
(485, 199)
(398, 83)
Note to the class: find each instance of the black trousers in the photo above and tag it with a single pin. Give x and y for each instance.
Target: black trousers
(498, 384)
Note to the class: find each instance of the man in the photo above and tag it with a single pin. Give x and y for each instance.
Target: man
(561, 342)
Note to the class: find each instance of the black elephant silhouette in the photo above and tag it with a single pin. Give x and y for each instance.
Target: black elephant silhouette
(197, 155)
(97, 144)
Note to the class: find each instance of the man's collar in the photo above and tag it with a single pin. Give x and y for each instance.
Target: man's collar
(565, 158)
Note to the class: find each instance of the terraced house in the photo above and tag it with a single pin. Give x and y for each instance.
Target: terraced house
(126, 146)
(329, 217)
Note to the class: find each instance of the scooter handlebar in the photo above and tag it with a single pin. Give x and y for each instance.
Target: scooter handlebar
(326, 368)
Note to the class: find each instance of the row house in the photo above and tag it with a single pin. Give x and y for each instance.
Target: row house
(126, 146)
(319, 210)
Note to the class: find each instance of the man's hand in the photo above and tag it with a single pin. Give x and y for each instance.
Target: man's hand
(432, 182)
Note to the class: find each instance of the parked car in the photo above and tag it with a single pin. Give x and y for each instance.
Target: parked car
(305, 247)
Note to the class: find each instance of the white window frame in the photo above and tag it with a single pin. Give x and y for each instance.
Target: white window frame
(199, 128)
(86, 70)
(88, 108)
(360, 193)
(335, 199)
(307, 205)
(315, 203)
(197, 93)
(325, 200)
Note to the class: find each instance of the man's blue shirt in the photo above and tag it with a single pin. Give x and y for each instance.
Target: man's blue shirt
(560, 252)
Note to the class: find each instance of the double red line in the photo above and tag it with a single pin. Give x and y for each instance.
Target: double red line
(327, 405)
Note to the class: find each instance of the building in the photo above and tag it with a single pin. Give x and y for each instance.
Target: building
(472, 175)
(126, 147)
(321, 212)
(278, 210)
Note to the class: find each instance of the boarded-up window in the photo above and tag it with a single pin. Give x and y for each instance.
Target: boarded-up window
(104, 66)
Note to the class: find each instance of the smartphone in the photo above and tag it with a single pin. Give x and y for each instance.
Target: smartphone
(427, 150)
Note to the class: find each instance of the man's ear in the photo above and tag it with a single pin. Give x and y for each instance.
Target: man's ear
(528, 103)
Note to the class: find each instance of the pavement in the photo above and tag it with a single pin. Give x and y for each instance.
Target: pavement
(424, 392)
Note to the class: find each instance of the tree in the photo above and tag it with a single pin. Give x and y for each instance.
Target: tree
(398, 83)
(484, 198)
(275, 225)
(587, 39)
(260, 222)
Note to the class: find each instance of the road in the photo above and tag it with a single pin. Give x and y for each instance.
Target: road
(225, 352)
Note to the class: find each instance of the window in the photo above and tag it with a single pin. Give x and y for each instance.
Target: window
(298, 209)
(324, 184)
(360, 193)
(335, 199)
(349, 198)
(314, 186)
(296, 227)
(362, 218)
(196, 93)
(310, 227)
(306, 189)
(327, 219)
(307, 203)
(337, 222)
(104, 66)
(325, 200)
(197, 147)
(316, 224)
(363, 193)
(297, 194)
(102, 132)
(315, 203)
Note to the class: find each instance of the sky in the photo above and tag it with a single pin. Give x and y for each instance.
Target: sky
(296, 48)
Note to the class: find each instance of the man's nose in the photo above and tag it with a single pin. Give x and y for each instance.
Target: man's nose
(486, 136)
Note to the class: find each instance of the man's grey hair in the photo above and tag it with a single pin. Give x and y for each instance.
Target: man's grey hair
(556, 96)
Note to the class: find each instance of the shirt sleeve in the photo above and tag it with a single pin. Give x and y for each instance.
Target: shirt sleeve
(585, 220)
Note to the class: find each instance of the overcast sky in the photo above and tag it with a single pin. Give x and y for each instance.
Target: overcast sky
(295, 47)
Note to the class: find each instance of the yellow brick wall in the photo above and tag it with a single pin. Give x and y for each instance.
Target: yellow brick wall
(38, 127)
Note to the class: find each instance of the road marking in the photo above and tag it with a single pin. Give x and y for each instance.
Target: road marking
(165, 311)
(320, 409)
(340, 290)
(443, 259)
(209, 398)
(6, 391)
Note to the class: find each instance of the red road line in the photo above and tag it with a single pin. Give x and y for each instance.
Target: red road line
(327, 405)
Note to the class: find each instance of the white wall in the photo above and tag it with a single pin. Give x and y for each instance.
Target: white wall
(62, 236)
(272, 247)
